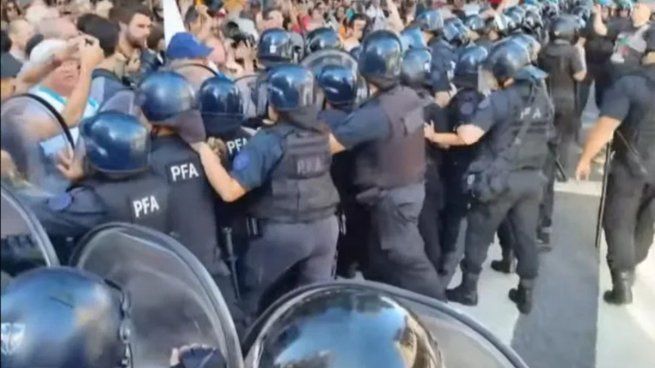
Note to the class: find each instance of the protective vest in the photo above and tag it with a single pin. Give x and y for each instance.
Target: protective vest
(398, 159)
(300, 188)
(634, 141)
(192, 217)
(556, 61)
(527, 104)
(141, 200)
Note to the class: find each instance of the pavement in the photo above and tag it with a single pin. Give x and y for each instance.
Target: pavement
(570, 325)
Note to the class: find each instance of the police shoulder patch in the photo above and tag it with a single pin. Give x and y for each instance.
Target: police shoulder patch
(60, 202)
(241, 161)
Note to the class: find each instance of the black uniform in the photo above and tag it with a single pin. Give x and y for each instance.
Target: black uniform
(630, 205)
(512, 171)
(455, 165)
(193, 222)
(391, 186)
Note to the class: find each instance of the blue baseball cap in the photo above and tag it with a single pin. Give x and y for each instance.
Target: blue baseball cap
(185, 45)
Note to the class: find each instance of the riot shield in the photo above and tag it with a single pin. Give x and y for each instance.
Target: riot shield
(25, 244)
(122, 101)
(316, 61)
(174, 301)
(247, 85)
(194, 73)
(33, 134)
(462, 342)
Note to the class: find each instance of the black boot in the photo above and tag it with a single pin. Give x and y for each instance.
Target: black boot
(522, 296)
(621, 292)
(505, 265)
(467, 292)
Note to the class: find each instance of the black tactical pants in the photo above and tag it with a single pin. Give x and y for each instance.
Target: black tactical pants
(519, 205)
(396, 250)
(628, 211)
(548, 203)
(567, 123)
(429, 223)
(351, 246)
(308, 248)
(456, 203)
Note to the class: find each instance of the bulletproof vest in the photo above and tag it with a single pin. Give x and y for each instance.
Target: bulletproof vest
(300, 188)
(527, 104)
(140, 199)
(192, 217)
(461, 111)
(398, 159)
(556, 61)
(234, 142)
(636, 145)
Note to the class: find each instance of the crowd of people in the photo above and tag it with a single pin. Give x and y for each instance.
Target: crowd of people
(287, 143)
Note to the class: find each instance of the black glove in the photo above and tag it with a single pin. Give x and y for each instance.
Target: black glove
(190, 127)
(200, 357)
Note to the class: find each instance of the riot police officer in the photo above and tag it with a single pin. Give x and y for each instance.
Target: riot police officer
(119, 185)
(287, 167)
(390, 183)
(415, 72)
(457, 159)
(431, 24)
(627, 114)
(169, 103)
(42, 311)
(339, 85)
(505, 180)
(564, 62)
(322, 38)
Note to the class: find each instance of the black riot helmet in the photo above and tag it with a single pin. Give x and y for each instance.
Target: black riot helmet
(163, 95)
(275, 46)
(564, 28)
(455, 32)
(290, 87)
(468, 65)
(475, 23)
(412, 38)
(115, 143)
(347, 327)
(381, 58)
(430, 21)
(322, 38)
(62, 318)
(355, 52)
(582, 12)
(530, 43)
(506, 59)
(339, 85)
(221, 105)
(415, 70)
(532, 21)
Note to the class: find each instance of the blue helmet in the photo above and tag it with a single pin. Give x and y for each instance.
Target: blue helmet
(506, 60)
(275, 46)
(415, 70)
(322, 38)
(412, 38)
(475, 23)
(339, 84)
(430, 21)
(65, 317)
(221, 105)
(290, 87)
(116, 143)
(164, 95)
(466, 70)
(381, 58)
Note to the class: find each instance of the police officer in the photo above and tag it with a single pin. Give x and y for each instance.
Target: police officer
(287, 166)
(119, 185)
(339, 85)
(322, 38)
(505, 179)
(629, 45)
(415, 72)
(444, 58)
(457, 159)
(275, 47)
(563, 60)
(168, 101)
(627, 114)
(41, 312)
(390, 183)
